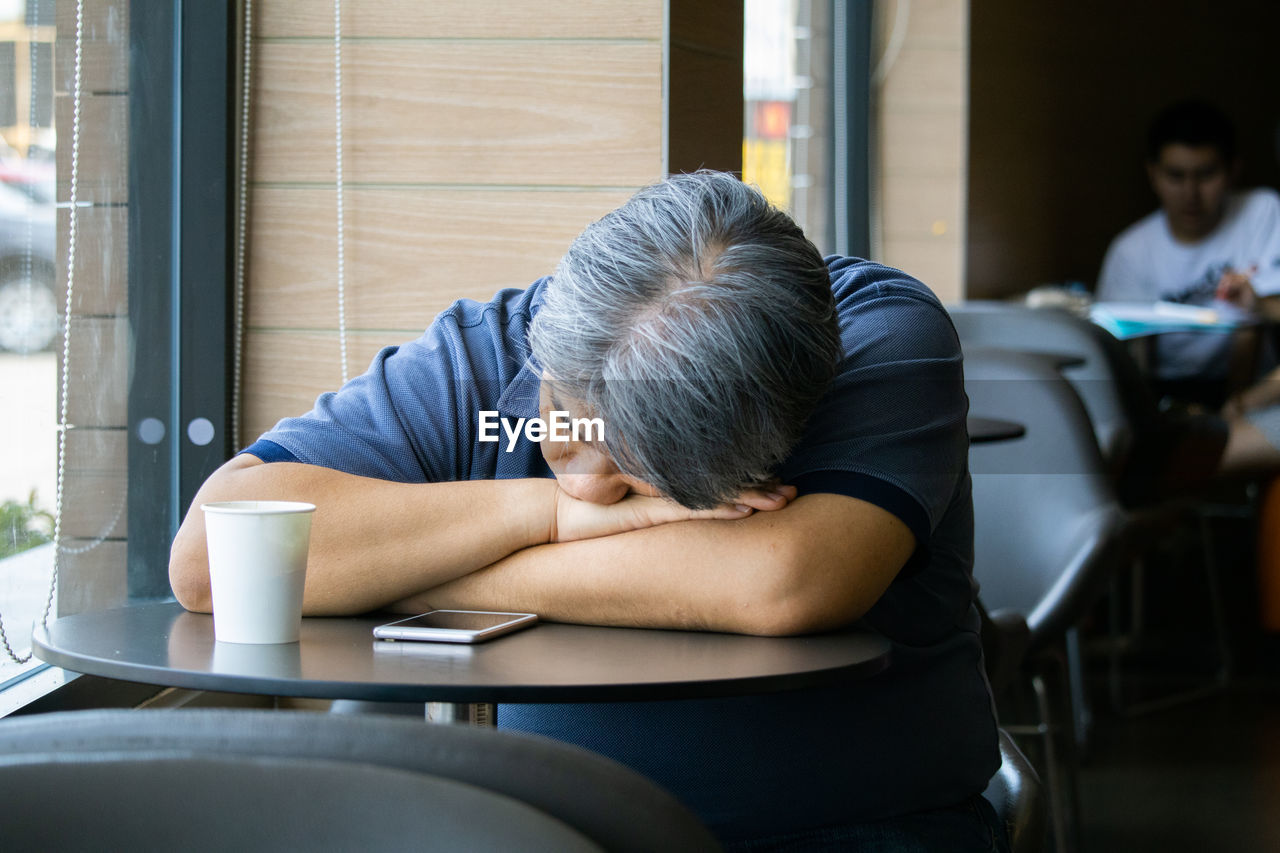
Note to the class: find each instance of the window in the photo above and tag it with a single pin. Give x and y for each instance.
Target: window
(805, 90)
(113, 337)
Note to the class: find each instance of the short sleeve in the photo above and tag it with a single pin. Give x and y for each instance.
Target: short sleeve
(1266, 224)
(394, 422)
(892, 429)
(413, 415)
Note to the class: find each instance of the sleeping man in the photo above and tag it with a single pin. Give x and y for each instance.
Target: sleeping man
(781, 450)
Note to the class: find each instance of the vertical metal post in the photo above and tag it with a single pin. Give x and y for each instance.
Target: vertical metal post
(851, 124)
(152, 164)
(180, 92)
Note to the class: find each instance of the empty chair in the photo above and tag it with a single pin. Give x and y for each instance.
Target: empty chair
(1157, 460)
(1048, 533)
(1148, 452)
(1017, 796)
(234, 779)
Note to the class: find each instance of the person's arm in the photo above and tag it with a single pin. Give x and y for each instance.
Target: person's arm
(374, 542)
(821, 562)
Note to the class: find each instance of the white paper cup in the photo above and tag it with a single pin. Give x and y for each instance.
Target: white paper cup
(257, 567)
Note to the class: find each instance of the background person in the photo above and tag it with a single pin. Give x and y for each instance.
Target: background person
(1206, 245)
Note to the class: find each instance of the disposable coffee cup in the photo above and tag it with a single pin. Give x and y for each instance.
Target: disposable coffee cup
(257, 568)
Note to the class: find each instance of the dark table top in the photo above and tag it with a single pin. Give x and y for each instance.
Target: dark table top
(982, 429)
(1055, 359)
(338, 658)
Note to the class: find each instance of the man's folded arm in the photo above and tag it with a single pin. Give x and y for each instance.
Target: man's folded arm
(819, 563)
(372, 541)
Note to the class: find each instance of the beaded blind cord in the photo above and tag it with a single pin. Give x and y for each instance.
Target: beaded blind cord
(73, 215)
(337, 102)
(242, 217)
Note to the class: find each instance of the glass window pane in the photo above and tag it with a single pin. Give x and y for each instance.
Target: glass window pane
(65, 482)
(786, 78)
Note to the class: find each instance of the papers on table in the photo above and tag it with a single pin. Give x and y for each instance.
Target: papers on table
(1135, 319)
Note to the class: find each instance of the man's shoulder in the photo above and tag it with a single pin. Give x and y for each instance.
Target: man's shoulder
(1260, 202)
(858, 281)
(1140, 234)
(508, 304)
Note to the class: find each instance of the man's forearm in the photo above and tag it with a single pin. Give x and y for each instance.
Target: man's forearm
(372, 542)
(811, 566)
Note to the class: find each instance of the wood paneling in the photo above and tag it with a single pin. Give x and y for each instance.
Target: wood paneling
(479, 138)
(911, 144)
(285, 371)
(927, 78)
(920, 208)
(101, 352)
(101, 285)
(920, 142)
(569, 113)
(105, 56)
(102, 172)
(524, 19)
(93, 575)
(94, 503)
(104, 67)
(410, 252)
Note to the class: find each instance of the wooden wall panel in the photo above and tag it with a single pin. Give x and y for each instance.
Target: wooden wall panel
(101, 285)
(569, 113)
(479, 138)
(102, 175)
(919, 132)
(105, 55)
(410, 251)
(97, 469)
(101, 350)
(93, 575)
(287, 370)
(523, 19)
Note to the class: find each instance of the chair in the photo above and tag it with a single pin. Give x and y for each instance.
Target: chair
(1017, 796)
(1157, 459)
(1149, 453)
(1048, 534)
(224, 779)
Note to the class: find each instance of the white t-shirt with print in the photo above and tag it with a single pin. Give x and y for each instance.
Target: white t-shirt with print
(1145, 263)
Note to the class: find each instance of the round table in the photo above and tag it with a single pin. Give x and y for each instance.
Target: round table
(983, 430)
(338, 658)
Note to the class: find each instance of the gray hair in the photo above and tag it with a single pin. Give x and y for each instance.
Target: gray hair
(697, 322)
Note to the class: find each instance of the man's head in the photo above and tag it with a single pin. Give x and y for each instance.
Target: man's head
(1191, 153)
(697, 322)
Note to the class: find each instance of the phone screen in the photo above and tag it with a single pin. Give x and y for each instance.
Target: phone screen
(457, 620)
(454, 626)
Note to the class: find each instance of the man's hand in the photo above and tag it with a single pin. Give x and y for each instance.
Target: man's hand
(576, 519)
(1236, 288)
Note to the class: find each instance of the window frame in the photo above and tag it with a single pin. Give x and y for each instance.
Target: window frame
(181, 180)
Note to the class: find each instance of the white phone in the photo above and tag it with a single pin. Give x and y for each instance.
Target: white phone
(455, 626)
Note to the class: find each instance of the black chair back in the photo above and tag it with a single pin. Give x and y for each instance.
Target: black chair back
(607, 805)
(1047, 527)
(1018, 798)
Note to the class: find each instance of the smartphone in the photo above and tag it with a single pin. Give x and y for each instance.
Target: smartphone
(455, 626)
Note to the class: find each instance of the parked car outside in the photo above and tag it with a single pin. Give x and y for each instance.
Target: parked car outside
(28, 272)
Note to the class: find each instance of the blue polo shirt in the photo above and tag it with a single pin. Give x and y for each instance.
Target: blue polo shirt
(890, 431)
